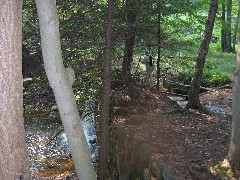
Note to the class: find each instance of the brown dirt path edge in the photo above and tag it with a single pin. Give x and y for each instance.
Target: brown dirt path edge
(187, 141)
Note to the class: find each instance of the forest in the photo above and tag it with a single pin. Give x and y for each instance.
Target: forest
(81, 100)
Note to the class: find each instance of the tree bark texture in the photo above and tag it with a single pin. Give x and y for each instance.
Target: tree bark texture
(14, 161)
(61, 85)
(105, 100)
(234, 151)
(235, 32)
(229, 27)
(159, 51)
(223, 30)
(193, 101)
(131, 16)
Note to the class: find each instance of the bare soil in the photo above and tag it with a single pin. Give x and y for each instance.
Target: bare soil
(188, 142)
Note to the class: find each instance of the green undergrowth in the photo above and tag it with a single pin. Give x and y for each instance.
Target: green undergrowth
(178, 64)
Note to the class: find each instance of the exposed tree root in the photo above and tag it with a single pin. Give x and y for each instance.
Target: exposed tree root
(198, 106)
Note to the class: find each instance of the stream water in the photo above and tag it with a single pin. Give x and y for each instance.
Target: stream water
(182, 103)
(48, 147)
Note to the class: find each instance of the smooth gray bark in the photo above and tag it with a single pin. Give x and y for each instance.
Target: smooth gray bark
(61, 85)
(234, 151)
(14, 161)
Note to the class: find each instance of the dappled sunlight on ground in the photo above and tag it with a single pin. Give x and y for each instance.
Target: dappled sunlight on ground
(224, 170)
(56, 169)
(188, 142)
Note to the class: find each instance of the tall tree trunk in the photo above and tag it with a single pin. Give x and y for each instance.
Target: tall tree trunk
(159, 50)
(61, 85)
(234, 151)
(105, 100)
(193, 101)
(235, 32)
(229, 26)
(223, 30)
(14, 161)
(131, 16)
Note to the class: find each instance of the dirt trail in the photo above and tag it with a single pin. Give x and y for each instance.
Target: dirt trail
(187, 141)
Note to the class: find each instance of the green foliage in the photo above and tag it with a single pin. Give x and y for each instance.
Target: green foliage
(82, 25)
(215, 46)
(82, 28)
(178, 64)
(206, 77)
(220, 78)
(224, 61)
(218, 69)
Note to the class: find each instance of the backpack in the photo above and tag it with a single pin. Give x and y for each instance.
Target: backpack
(151, 61)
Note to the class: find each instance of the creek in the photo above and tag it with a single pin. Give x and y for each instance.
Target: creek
(48, 147)
(215, 109)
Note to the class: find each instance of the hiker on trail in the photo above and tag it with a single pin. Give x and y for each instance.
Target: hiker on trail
(147, 60)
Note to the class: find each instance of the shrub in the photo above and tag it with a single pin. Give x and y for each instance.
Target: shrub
(219, 79)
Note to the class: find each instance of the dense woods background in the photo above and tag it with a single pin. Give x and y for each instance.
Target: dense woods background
(103, 41)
